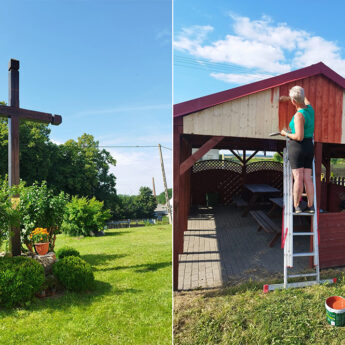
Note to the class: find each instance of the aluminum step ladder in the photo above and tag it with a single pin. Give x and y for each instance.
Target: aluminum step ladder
(288, 235)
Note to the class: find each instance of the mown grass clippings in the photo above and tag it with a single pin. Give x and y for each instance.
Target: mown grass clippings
(244, 315)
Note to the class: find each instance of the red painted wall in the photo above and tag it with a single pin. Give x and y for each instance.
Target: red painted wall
(332, 239)
(326, 97)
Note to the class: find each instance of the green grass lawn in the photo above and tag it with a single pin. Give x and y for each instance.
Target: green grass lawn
(244, 315)
(131, 303)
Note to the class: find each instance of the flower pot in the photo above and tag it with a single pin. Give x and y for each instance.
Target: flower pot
(42, 248)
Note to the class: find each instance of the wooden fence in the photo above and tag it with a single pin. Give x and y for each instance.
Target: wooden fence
(129, 223)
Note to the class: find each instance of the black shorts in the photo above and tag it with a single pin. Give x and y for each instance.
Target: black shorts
(301, 153)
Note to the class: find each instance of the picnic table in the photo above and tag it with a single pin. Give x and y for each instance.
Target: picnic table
(259, 191)
(276, 203)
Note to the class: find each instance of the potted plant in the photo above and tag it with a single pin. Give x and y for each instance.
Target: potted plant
(40, 238)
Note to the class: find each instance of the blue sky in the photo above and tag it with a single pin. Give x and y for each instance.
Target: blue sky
(223, 44)
(105, 66)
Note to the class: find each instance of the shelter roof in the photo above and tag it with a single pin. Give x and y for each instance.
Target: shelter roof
(197, 104)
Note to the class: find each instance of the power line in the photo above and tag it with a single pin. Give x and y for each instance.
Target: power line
(201, 62)
(133, 146)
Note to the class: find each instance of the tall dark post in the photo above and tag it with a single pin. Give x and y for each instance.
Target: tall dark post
(165, 184)
(13, 144)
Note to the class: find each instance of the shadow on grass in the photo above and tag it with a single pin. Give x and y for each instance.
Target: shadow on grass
(63, 301)
(143, 268)
(113, 232)
(100, 259)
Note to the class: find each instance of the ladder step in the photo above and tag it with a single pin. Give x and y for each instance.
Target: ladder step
(303, 233)
(302, 275)
(304, 254)
(303, 214)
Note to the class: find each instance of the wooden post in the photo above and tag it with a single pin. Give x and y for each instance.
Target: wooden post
(154, 187)
(13, 145)
(178, 234)
(318, 164)
(327, 163)
(328, 168)
(165, 184)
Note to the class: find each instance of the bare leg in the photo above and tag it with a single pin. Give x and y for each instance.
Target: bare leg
(297, 185)
(309, 187)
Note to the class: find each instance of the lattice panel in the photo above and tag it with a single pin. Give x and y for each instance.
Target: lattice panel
(264, 165)
(226, 179)
(217, 165)
(231, 186)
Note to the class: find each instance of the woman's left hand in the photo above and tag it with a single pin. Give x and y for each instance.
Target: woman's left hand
(283, 133)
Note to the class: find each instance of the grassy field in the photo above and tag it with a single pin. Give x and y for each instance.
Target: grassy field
(131, 303)
(244, 315)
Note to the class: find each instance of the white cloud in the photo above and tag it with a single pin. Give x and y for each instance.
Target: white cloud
(261, 46)
(191, 38)
(56, 141)
(316, 49)
(264, 31)
(239, 78)
(136, 168)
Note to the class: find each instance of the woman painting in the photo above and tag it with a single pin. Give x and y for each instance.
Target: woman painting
(300, 147)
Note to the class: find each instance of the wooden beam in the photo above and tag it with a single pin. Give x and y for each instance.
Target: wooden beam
(251, 156)
(237, 156)
(328, 168)
(188, 163)
(31, 115)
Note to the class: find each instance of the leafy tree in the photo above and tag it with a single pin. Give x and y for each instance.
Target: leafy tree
(146, 203)
(127, 207)
(161, 196)
(277, 157)
(81, 168)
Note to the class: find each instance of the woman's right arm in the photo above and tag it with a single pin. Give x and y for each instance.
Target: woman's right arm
(306, 101)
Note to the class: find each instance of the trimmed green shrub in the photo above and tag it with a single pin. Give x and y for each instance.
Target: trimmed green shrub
(20, 279)
(74, 273)
(66, 251)
(84, 217)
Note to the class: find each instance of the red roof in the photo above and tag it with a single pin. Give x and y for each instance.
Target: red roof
(184, 108)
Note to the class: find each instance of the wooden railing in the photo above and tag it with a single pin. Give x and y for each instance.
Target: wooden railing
(338, 180)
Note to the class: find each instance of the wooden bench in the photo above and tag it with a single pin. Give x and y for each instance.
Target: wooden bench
(239, 201)
(266, 224)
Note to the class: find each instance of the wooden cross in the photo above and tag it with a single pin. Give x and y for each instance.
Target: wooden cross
(14, 115)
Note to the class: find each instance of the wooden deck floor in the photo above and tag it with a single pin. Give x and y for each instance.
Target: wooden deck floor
(221, 246)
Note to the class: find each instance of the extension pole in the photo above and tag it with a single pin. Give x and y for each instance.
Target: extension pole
(165, 184)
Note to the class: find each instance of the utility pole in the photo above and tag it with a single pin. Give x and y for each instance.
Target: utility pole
(154, 187)
(165, 184)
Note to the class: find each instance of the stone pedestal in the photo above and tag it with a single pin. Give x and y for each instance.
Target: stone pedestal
(47, 261)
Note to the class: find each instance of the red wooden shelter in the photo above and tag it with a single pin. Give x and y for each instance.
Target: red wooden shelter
(242, 119)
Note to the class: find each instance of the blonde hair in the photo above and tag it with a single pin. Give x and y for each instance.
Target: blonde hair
(297, 94)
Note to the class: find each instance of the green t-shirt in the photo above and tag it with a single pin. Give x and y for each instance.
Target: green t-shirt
(308, 114)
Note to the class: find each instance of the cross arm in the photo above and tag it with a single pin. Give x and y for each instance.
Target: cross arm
(24, 114)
